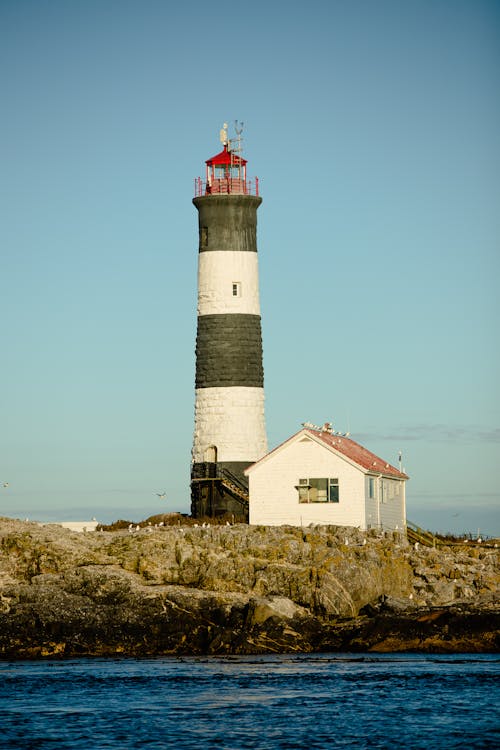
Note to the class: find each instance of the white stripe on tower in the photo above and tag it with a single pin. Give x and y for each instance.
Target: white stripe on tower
(217, 272)
(232, 419)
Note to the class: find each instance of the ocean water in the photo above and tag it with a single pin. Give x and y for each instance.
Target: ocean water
(262, 702)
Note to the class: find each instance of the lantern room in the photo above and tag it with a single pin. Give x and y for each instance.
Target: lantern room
(226, 173)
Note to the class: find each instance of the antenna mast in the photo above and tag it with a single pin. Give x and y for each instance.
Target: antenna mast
(235, 146)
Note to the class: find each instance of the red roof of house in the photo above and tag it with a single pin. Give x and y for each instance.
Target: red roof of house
(226, 157)
(353, 451)
(357, 453)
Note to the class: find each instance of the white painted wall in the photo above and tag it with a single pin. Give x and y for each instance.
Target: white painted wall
(274, 499)
(392, 508)
(231, 419)
(217, 270)
(387, 509)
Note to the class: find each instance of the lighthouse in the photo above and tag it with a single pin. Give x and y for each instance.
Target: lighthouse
(229, 423)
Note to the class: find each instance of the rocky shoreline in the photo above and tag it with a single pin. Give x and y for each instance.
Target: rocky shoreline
(185, 590)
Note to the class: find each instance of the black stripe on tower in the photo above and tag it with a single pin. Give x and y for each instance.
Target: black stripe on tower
(227, 222)
(229, 351)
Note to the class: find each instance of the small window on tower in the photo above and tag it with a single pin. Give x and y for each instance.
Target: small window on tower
(236, 289)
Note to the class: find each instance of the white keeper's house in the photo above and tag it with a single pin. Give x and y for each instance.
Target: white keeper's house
(321, 477)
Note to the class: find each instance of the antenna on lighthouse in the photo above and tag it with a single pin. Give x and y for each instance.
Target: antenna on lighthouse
(235, 143)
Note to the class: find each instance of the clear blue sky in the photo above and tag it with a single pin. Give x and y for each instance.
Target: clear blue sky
(373, 127)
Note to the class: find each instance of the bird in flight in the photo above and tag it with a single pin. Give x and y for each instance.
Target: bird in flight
(161, 495)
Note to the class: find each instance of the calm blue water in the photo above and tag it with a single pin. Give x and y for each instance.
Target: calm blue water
(319, 701)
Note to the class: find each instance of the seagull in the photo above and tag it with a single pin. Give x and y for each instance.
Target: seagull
(161, 495)
(5, 484)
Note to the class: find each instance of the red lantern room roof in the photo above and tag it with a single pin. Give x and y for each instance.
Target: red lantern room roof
(226, 157)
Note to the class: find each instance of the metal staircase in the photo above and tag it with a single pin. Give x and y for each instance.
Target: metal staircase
(219, 493)
(234, 486)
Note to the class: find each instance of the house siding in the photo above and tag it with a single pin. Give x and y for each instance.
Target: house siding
(386, 509)
(274, 500)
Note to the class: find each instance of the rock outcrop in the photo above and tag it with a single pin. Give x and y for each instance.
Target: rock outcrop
(239, 589)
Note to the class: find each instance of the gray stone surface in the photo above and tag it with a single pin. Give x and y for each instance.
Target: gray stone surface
(238, 589)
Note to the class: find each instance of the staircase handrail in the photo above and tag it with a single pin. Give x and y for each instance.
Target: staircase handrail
(227, 474)
(421, 535)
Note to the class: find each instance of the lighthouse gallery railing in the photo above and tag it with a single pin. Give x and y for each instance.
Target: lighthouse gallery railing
(230, 185)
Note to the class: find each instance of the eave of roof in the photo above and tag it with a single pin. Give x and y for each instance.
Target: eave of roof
(226, 157)
(355, 453)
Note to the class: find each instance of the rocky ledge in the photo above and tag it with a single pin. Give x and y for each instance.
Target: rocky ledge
(239, 590)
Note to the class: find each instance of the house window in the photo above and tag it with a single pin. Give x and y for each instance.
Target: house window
(236, 289)
(333, 490)
(371, 488)
(318, 490)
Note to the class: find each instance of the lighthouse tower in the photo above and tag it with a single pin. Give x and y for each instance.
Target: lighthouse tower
(229, 429)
